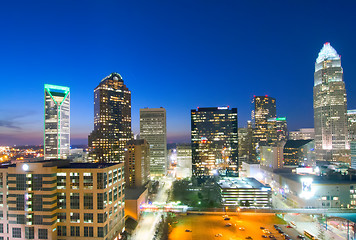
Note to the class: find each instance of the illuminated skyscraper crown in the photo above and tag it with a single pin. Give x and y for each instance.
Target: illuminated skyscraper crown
(327, 53)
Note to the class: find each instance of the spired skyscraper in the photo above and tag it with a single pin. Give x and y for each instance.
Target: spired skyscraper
(330, 106)
(56, 121)
(112, 120)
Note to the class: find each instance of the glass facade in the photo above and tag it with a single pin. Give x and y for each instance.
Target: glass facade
(112, 120)
(214, 141)
(154, 130)
(330, 105)
(56, 122)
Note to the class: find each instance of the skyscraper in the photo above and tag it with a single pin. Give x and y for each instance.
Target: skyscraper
(214, 136)
(330, 119)
(56, 121)
(153, 128)
(112, 120)
(264, 109)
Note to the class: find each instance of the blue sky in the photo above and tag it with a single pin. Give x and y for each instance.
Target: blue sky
(174, 54)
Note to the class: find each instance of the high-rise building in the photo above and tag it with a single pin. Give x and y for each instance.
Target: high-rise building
(214, 135)
(330, 105)
(247, 152)
(56, 199)
(153, 128)
(112, 120)
(302, 134)
(184, 161)
(264, 109)
(272, 156)
(351, 118)
(56, 122)
(299, 153)
(137, 163)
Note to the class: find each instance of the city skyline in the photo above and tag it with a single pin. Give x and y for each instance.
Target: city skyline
(156, 50)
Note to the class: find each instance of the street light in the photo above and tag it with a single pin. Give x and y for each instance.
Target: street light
(226, 210)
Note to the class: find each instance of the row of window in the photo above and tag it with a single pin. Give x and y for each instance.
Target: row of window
(75, 231)
(30, 233)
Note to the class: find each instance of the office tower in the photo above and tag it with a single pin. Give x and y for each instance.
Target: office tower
(353, 154)
(302, 134)
(153, 129)
(351, 119)
(56, 122)
(264, 109)
(214, 136)
(247, 153)
(299, 153)
(56, 199)
(330, 119)
(137, 163)
(271, 156)
(184, 161)
(277, 130)
(112, 120)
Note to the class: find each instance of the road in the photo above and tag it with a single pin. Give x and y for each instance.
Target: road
(149, 221)
(207, 226)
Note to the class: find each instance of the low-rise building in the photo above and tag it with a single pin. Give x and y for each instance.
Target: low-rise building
(56, 199)
(299, 153)
(244, 192)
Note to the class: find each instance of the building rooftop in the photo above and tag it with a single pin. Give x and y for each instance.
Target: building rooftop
(331, 179)
(134, 193)
(238, 182)
(296, 143)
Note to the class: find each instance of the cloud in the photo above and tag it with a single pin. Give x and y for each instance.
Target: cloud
(9, 124)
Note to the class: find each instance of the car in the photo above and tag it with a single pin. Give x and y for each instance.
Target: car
(228, 225)
(227, 218)
(271, 236)
(242, 229)
(262, 228)
(248, 237)
(301, 236)
(188, 230)
(218, 235)
(280, 231)
(275, 226)
(289, 226)
(264, 236)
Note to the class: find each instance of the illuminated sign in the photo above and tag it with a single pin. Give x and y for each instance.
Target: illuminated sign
(222, 108)
(307, 190)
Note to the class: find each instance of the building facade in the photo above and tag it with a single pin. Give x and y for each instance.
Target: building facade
(214, 137)
(184, 161)
(137, 163)
(302, 134)
(153, 128)
(60, 200)
(112, 120)
(330, 105)
(299, 153)
(56, 122)
(271, 156)
(264, 109)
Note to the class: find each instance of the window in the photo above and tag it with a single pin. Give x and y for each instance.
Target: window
(37, 203)
(38, 219)
(115, 175)
(29, 232)
(74, 217)
(61, 180)
(1, 198)
(20, 182)
(74, 200)
(100, 232)
(110, 196)
(20, 202)
(1, 180)
(1, 228)
(88, 180)
(88, 232)
(74, 180)
(61, 200)
(101, 180)
(37, 182)
(88, 201)
(110, 178)
(75, 231)
(100, 200)
(20, 219)
(88, 217)
(61, 217)
(1, 215)
(62, 231)
(102, 217)
(42, 233)
(16, 232)
(115, 194)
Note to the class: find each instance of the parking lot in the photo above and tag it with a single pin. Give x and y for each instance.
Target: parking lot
(207, 227)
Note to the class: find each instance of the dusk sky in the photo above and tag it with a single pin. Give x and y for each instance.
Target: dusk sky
(176, 54)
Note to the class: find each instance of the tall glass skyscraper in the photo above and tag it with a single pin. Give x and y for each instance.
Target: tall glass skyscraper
(330, 106)
(264, 109)
(153, 128)
(214, 136)
(56, 122)
(112, 120)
